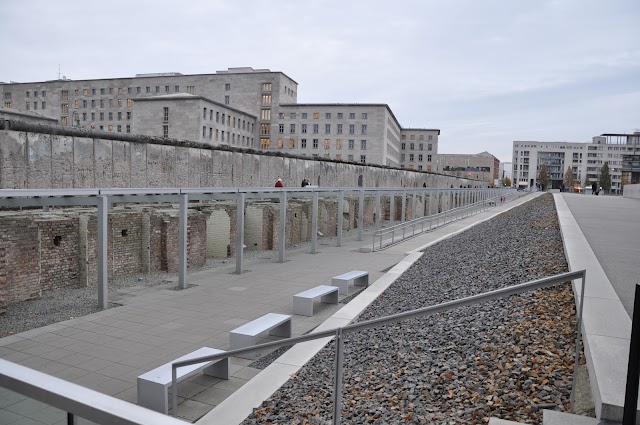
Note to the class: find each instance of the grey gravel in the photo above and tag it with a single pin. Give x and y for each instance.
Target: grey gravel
(507, 358)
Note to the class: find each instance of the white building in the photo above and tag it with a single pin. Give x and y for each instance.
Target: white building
(586, 160)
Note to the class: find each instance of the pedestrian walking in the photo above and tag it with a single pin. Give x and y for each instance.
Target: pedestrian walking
(279, 183)
(305, 182)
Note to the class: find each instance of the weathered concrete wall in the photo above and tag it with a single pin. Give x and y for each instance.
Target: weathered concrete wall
(631, 191)
(39, 157)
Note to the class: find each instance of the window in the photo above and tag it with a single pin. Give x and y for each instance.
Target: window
(420, 167)
(265, 114)
(211, 115)
(223, 120)
(266, 99)
(280, 143)
(292, 128)
(128, 115)
(339, 129)
(157, 89)
(364, 115)
(304, 115)
(93, 103)
(402, 157)
(265, 129)
(128, 127)
(339, 157)
(138, 89)
(265, 143)
(227, 87)
(352, 129)
(110, 127)
(148, 89)
(412, 146)
(316, 115)
(421, 137)
(102, 103)
(420, 158)
(315, 128)
(119, 128)
(340, 115)
(110, 90)
(210, 132)
(292, 115)
(111, 103)
(403, 146)
(7, 96)
(84, 116)
(84, 103)
(64, 121)
(266, 86)
(352, 115)
(292, 143)
(281, 115)
(327, 115)
(44, 93)
(7, 104)
(428, 158)
(93, 116)
(35, 105)
(191, 89)
(351, 144)
(64, 108)
(217, 116)
(315, 143)
(303, 143)
(204, 131)
(43, 104)
(110, 116)
(411, 157)
(421, 147)
(165, 115)
(327, 129)
(363, 159)
(412, 137)
(101, 116)
(103, 91)
(204, 113)
(28, 94)
(129, 90)
(430, 137)
(363, 145)
(227, 100)
(338, 144)
(75, 103)
(327, 143)
(176, 89)
(364, 129)
(65, 95)
(280, 128)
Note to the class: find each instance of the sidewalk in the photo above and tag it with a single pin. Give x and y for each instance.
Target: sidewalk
(106, 351)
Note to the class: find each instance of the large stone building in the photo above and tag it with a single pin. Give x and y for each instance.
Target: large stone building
(482, 166)
(27, 116)
(259, 107)
(586, 160)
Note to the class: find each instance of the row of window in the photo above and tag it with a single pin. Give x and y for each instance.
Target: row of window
(412, 146)
(113, 103)
(101, 115)
(413, 137)
(316, 128)
(101, 127)
(412, 157)
(227, 119)
(265, 143)
(219, 135)
(327, 115)
(28, 105)
(43, 93)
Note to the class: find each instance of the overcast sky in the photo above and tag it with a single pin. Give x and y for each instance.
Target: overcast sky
(485, 73)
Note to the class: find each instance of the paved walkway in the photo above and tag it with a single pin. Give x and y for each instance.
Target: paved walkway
(106, 351)
(611, 225)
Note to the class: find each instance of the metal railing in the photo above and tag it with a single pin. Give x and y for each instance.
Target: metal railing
(77, 401)
(339, 333)
(415, 227)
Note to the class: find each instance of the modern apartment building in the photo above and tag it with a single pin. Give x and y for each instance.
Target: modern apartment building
(244, 107)
(482, 166)
(586, 160)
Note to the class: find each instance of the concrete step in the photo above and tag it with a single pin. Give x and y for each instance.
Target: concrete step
(551, 417)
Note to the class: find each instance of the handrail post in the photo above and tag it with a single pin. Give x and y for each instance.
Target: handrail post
(282, 231)
(340, 216)
(240, 232)
(103, 271)
(378, 223)
(577, 350)
(392, 208)
(404, 206)
(314, 224)
(174, 390)
(633, 369)
(337, 388)
(183, 220)
(360, 216)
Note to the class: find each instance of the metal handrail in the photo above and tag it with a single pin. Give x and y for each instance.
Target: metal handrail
(475, 208)
(421, 312)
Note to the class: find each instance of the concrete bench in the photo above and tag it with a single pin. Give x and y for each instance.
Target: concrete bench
(153, 385)
(247, 335)
(359, 278)
(303, 302)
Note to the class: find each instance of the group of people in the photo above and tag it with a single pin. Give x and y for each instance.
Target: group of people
(305, 182)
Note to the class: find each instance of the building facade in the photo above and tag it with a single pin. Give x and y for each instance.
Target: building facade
(260, 108)
(482, 166)
(585, 159)
(28, 116)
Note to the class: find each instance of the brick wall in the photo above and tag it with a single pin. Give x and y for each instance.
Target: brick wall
(59, 248)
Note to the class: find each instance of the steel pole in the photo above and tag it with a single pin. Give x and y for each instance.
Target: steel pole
(182, 241)
(340, 216)
(283, 223)
(103, 278)
(314, 225)
(240, 233)
(361, 216)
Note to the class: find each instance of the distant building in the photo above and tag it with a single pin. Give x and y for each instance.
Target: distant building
(482, 166)
(259, 107)
(506, 171)
(585, 159)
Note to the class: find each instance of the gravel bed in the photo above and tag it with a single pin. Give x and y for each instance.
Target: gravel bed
(508, 358)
